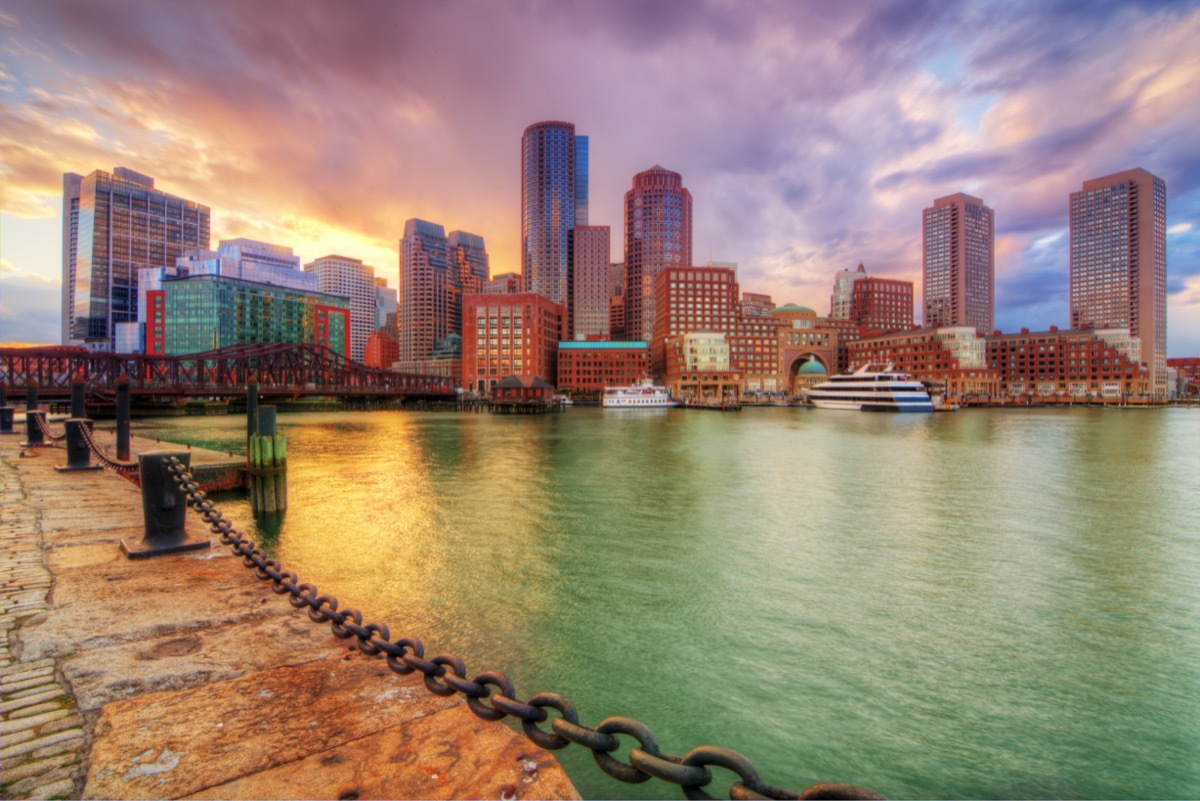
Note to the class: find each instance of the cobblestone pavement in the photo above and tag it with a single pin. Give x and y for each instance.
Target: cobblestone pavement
(41, 732)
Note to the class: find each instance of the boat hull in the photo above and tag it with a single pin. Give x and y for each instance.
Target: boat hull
(915, 405)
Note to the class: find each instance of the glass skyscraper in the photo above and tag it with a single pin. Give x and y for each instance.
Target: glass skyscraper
(1119, 262)
(554, 199)
(960, 263)
(115, 224)
(658, 235)
(425, 290)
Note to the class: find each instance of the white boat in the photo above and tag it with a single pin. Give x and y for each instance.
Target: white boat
(645, 395)
(872, 388)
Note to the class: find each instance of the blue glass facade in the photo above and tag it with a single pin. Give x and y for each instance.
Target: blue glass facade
(552, 201)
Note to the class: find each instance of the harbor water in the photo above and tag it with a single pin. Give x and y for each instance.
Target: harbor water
(987, 604)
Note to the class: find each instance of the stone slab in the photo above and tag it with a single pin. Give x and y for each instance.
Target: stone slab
(167, 745)
(474, 759)
(177, 662)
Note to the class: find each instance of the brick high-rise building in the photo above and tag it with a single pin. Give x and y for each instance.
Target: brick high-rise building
(553, 201)
(115, 224)
(658, 236)
(588, 311)
(1119, 262)
(881, 304)
(509, 335)
(425, 290)
(960, 263)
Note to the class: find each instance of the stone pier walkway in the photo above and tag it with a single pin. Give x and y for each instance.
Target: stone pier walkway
(186, 677)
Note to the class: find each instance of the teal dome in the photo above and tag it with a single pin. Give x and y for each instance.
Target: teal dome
(791, 307)
(811, 367)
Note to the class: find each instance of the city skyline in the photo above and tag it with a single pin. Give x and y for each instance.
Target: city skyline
(811, 138)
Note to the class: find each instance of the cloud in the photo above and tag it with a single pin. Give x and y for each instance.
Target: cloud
(30, 307)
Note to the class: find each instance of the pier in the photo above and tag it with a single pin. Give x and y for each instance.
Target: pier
(184, 676)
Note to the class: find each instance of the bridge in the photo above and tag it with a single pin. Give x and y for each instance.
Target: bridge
(282, 371)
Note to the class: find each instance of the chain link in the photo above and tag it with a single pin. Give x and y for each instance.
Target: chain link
(44, 426)
(446, 674)
(103, 455)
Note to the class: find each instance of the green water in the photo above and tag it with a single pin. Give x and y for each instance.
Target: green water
(987, 604)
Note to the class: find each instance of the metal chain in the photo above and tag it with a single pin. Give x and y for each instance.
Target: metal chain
(45, 428)
(103, 456)
(446, 674)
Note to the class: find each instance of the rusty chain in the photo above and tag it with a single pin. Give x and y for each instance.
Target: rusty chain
(103, 456)
(446, 674)
(45, 429)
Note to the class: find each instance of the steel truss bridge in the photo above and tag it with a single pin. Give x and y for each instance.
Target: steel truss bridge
(282, 371)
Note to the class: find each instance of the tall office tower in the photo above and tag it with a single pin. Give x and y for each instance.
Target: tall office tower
(588, 312)
(881, 304)
(658, 235)
(552, 203)
(350, 278)
(467, 260)
(960, 263)
(843, 286)
(115, 224)
(425, 285)
(387, 302)
(1119, 261)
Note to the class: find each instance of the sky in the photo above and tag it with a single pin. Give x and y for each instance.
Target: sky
(810, 134)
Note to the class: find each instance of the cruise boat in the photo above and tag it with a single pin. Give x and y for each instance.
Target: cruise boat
(872, 388)
(645, 395)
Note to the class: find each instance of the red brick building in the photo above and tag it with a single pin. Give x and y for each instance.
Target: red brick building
(1189, 374)
(522, 388)
(1072, 363)
(586, 368)
(882, 304)
(383, 348)
(509, 335)
(954, 356)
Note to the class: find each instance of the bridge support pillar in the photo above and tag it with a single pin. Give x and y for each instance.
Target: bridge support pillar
(164, 509)
(79, 455)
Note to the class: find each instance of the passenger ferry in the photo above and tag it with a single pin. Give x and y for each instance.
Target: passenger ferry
(645, 395)
(872, 388)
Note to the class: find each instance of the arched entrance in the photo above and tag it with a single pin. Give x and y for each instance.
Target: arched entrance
(806, 369)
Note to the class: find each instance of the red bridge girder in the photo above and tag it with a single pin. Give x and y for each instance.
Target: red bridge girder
(295, 370)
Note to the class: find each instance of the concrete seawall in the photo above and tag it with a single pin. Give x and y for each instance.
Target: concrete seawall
(186, 677)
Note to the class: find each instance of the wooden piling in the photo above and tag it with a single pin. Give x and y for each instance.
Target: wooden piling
(267, 456)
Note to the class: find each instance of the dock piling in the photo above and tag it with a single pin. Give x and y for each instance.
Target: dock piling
(164, 509)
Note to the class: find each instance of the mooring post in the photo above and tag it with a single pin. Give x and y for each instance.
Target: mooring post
(123, 418)
(6, 412)
(79, 455)
(31, 397)
(33, 428)
(164, 509)
(251, 410)
(78, 388)
(267, 454)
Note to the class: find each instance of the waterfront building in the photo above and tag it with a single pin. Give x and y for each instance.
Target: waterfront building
(960, 263)
(843, 286)
(699, 368)
(588, 312)
(341, 275)
(505, 284)
(953, 356)
(808, 346)
(510, 335)
(658, 236)
(1119, 261)
(755, 304)
(553, 201)
(115, 224)
(881, 304)
(586, 368)
(425, 291)
(1073, 363)
(382, 350)
(691, 299)
(1188, 371)
(197, 313)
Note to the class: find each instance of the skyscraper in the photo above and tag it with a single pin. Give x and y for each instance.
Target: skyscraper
(590, 245)
(960, 263)
(113, 225)
(658, 235)
(1119, 261)
(424, 289)
(553, 201)
(843, 287)
(350, 278)
(467, 260)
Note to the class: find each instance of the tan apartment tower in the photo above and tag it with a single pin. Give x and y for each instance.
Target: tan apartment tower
(960, 263)
(658, 235)
(1119, 262)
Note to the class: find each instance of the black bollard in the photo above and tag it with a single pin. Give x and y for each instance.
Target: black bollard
(78, 412)
(251, 410)
(123, 419)
(6, 412)
(31, 396)
(3, 395)
(33, 431)
(79, 455)
(164, 509)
